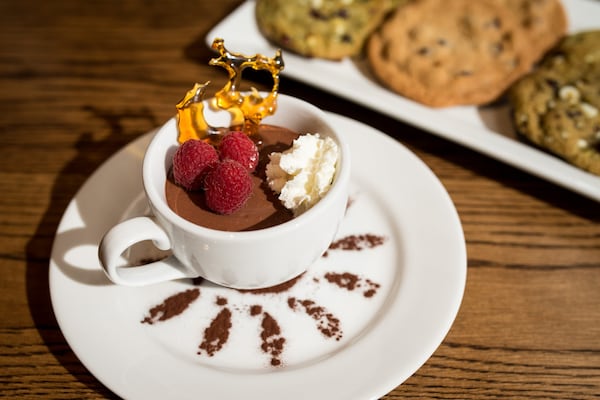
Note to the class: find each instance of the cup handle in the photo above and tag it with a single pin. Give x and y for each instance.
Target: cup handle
(124, 235)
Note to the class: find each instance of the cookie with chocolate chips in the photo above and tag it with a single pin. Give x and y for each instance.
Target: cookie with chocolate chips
(331, 29)
(444, 53)
(557, 106)
(544, 23)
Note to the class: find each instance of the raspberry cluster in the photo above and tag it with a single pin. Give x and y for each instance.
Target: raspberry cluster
(223, 172)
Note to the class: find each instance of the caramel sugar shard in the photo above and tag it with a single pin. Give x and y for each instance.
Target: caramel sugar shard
(247, 110)
(190, 115)
(252, 107)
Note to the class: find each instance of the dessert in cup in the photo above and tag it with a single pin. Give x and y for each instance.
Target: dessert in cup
(246, 189)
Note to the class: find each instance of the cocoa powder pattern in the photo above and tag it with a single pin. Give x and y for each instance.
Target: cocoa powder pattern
(327, 323)
(216, 335)
(351, 282)
(272, 342)
(171, 306)
(356, 242)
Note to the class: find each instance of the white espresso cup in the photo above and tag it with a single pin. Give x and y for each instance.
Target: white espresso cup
(243, 260)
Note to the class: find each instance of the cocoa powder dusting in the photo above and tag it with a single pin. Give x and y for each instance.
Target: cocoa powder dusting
(221, 301)
(282, 287)
(171, 306)
(351, 282)
(216, 335)
(272, 341)
(345, 280)
(255, 310)
(326, 322)
(197, 281)
(356, 242)
(372, 290)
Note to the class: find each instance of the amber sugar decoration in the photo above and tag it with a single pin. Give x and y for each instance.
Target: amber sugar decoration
(190, 114)
(246, 109)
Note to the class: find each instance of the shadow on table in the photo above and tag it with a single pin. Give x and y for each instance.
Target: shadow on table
(91, 153)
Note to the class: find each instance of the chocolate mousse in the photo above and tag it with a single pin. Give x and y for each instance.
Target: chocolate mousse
(262, 210)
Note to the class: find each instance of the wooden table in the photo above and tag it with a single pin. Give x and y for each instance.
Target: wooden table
(82, 79)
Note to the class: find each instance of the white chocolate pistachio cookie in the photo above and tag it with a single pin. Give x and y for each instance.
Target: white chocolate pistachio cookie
(557, 106)
(330, 29)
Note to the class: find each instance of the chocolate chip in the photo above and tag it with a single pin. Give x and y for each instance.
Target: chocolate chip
(343, 13)
(553, 84)
(595, 140)
(317, 14)
(385, 51)
(497, 48)
(494, 23)
(423, 51)
(507, 37)
(346, 38)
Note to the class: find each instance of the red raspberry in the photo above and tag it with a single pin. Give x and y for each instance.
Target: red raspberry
(239, 147)
(191, 162)
(227, 187)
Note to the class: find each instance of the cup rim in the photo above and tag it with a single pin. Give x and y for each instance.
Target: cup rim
(338, 187)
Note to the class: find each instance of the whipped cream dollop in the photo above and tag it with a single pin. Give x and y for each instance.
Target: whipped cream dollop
(303, 174)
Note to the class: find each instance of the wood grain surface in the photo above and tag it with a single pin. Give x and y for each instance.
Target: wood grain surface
(81, 79)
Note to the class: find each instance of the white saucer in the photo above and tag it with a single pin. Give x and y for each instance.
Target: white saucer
(375, 341)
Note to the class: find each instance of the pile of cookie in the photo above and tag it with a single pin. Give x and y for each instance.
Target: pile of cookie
(439, 53)
(462, 52)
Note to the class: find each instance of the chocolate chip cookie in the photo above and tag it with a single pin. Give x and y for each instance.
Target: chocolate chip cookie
(444, 53)
(544, 23)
